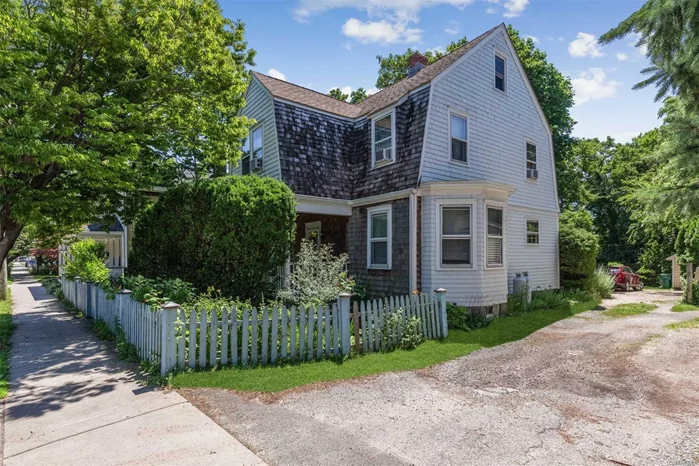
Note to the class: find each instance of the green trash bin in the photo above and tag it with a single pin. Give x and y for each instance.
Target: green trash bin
(666, 280)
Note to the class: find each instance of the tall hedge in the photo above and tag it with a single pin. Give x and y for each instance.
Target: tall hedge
(578, 255)
(229, 233)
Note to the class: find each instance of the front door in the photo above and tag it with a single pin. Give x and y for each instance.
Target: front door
(313, 232)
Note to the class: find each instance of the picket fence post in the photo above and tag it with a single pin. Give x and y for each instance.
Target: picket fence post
(343, 307)
(76, 289)
(168, 346)
(121, 296)
(88, 300)
(442, 306)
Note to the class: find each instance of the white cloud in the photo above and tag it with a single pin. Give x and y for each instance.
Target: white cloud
(438, 49)
(372, 91)
(275, 73)
(622, 57)
(388, 22)
(452, 28)
(585, 46)
(514, 8)
(382, 32)
(491, 11)
(593, 84)
(533, 38)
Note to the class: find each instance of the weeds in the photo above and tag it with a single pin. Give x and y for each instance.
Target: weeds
(629, 309)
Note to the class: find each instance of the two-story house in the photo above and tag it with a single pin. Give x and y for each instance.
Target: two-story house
(444, 179)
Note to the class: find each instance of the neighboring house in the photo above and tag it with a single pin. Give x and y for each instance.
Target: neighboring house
(115, 239)
(445, 179)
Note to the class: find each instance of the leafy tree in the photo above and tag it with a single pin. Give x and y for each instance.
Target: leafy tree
(101, 98)
(338, 94)
(358, 95)
(668, 28)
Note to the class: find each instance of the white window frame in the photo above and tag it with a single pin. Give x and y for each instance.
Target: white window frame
(470, 203)
(250, 155)
(468, 137)
(313, 227)
(526, 160)
(387, 209)
(500, 206)
(504, 77)
(526, 232)
(374, 119)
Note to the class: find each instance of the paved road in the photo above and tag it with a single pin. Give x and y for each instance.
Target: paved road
(586, 390)
(72, 402)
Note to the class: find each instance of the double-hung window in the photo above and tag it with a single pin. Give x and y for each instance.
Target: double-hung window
(531, 161)
(532, 232)
(379, 237)
(383, 148)
(494, 239)
(252, 155)
(455, 236)
(500, 73)
(458, 127)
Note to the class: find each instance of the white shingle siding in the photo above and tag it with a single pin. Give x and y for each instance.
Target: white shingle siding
(499, 126)
(259, 105)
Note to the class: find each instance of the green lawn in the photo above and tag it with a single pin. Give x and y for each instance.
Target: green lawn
(630, 309)
(459, 343)
(692, 323)
(6, 328)
(684, 307)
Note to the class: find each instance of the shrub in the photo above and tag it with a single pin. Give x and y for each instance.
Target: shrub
(462, 318)
(600, 284)
(156, 292)
(695, 293)
(231, 233)
(398, 332)
(87, 261)
(318, 276)
(547, 299)
(578, 256)
(648, 276)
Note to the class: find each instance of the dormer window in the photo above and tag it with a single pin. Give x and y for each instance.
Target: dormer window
(383, 147)
(500, 73)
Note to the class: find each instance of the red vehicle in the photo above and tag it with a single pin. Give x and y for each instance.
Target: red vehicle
(625, 278)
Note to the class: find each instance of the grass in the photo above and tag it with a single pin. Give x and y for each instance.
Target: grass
(6, 328)
(692, 323)
(459, 343)
(681, 307)
(630, 309)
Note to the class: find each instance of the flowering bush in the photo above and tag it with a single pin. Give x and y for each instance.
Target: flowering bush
(46, 260)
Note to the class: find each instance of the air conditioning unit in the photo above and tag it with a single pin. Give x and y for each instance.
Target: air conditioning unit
(383, 154)
(256, 164)
(532, 173)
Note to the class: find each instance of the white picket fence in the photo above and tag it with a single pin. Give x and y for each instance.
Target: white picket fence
(200, 337)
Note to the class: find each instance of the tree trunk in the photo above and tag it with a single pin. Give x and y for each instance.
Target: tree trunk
(690, 282)
(9, 232)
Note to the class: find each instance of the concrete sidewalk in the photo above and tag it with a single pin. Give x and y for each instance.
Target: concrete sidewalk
(72, 401)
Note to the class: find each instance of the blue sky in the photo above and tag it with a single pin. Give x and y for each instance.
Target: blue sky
(333, 43)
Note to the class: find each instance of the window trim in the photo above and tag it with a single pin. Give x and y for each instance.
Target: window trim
(388, 209)
(504, 77)
(313, 226)
(471, 204)
(526, 233)
(374, 118)
(465, 116)
(526, 160)
(499, 206)
(252, 129)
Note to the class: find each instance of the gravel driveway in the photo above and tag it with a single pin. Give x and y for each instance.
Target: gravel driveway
(586, 390)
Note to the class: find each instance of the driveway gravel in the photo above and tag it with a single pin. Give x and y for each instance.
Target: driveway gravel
(586, 390)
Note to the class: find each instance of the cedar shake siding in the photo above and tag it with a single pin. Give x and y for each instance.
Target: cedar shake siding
(314, 151)
(326, 156)
(333, 230)
(411, 116)
(381, 283)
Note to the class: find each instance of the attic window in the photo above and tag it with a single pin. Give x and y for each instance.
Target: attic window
(383, 128)
(252, 159)
(500, 73)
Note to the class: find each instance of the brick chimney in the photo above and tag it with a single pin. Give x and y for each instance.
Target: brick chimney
(416, 62)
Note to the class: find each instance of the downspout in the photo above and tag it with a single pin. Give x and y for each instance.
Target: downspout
(412, 207)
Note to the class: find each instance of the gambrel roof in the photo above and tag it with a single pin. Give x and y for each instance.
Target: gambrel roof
(382, 99)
